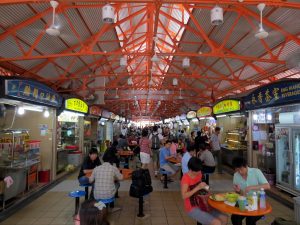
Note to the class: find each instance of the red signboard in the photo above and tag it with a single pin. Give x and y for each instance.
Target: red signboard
(95, 111)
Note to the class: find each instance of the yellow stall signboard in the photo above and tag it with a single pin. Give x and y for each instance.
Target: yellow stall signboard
(76, 105)
(204, 111)
(226, 106)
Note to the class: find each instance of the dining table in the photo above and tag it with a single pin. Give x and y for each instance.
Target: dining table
(174, 160)
(126, 155)
(222, 207)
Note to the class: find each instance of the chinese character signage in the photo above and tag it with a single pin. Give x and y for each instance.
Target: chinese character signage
(95, 111)
(76, 105)
(191, 115)
(32, 91)
(204, 111)
(226, 106)
(278, 93)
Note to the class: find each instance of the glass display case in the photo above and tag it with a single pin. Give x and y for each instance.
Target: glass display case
(235, 140)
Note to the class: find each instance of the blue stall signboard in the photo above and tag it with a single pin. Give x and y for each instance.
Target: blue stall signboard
(32, 91)
(278, 93)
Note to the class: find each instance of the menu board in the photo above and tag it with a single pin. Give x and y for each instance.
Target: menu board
(76, 105)
(191, 115)
(204, 111)
(226, 106)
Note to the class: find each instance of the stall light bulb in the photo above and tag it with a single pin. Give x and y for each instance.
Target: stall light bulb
(46, 113)
(21, 110)
(269, 117)
(255, 116)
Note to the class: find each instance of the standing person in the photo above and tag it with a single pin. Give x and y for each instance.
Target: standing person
(112, 154)
(122, 142)
(247, 180)
(199, 140)
(164, 155)
(88, 165)
(191, 152)
(216, 148)
(106, 178)
(155, 139)
(190, 185)
(145, 149)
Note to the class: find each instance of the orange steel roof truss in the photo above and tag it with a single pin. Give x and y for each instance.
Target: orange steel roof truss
(85, 58)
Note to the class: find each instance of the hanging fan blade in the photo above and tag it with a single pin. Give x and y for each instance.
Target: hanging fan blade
(53, 29)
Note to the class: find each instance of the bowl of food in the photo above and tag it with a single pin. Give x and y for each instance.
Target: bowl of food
(232, 197)
(218, 197)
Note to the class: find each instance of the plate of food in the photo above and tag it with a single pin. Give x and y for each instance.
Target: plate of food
(218, 197)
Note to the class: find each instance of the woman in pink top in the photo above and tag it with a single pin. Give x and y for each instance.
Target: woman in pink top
(145, 146)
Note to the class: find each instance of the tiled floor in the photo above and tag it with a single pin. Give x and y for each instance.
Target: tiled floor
(163, 207)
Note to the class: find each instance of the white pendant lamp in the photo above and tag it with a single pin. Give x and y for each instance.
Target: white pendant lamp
(180, 97)
(117, 96)
(175, 82)
(129, 81)
(108, 14)
(216, 16)
(186, 62)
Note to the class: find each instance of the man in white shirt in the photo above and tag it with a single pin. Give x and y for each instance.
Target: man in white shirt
(216, 148)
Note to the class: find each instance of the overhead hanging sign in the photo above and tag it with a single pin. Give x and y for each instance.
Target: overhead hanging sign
(76, 105)
(278, 93)
(226, 106)
(95, 110)
(32, 91)
(191, 115)
(204, 111)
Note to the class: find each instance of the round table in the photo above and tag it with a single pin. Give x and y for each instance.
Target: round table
(174, 160)
(222, 207)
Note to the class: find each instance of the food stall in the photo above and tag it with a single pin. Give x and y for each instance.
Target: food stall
(233, 124)
(70, 133)
(27, 141)
(274, 132)
(206, 121)
(193, 121)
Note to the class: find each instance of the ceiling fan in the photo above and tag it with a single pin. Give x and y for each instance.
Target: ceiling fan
(261, 33)
(53, 29)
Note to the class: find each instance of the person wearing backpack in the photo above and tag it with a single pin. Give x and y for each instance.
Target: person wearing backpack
(155, 139)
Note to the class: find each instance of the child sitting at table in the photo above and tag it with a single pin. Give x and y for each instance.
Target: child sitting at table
(190, 185)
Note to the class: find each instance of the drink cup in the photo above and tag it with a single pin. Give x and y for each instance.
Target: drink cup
(242, 203)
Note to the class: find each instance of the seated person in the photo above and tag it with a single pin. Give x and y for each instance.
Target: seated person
(106, 179)
(191, 184)
(185, 159)
(122, 143)
(164, 155)
(112, 154)
(207, 158)
(89, 214)
(247, 180)
(88, 165)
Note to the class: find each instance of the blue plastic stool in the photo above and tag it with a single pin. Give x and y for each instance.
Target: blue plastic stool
(76, 195)
(107, 201)
(86, 188)
(165, 174)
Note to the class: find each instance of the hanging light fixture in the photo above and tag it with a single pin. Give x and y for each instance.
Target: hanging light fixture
(216, 16)
(53, 29)
(180, 97)
(261, 33)
(117, 96)
(123, 61)
(129, 81)
(186, 62)
(175, 82)
(46, 113)
(108, 14)
(21, 110)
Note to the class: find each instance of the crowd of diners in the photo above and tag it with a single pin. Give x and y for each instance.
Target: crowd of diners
(198, 153)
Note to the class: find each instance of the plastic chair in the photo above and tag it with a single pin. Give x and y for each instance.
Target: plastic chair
(76, 195)
(165, 174)
(86, 189)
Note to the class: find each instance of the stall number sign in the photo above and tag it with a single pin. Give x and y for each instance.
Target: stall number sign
(77, 105)
(226, 106)
(204, 111)
(191, 115)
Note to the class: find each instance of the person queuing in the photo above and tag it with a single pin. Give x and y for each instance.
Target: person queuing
(190, 185)
(90, 214)
(164, 155)
(191, 152)
(106, 178)
(145, 149)
(156, 140)
(88, 165)
(216, 148)
(245, 181)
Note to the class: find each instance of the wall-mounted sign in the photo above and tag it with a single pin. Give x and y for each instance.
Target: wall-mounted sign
(278, 93)
(226, 106)
(204, 111)
(32, 91)
(76, 105)
(191, 115)
(95, 110)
